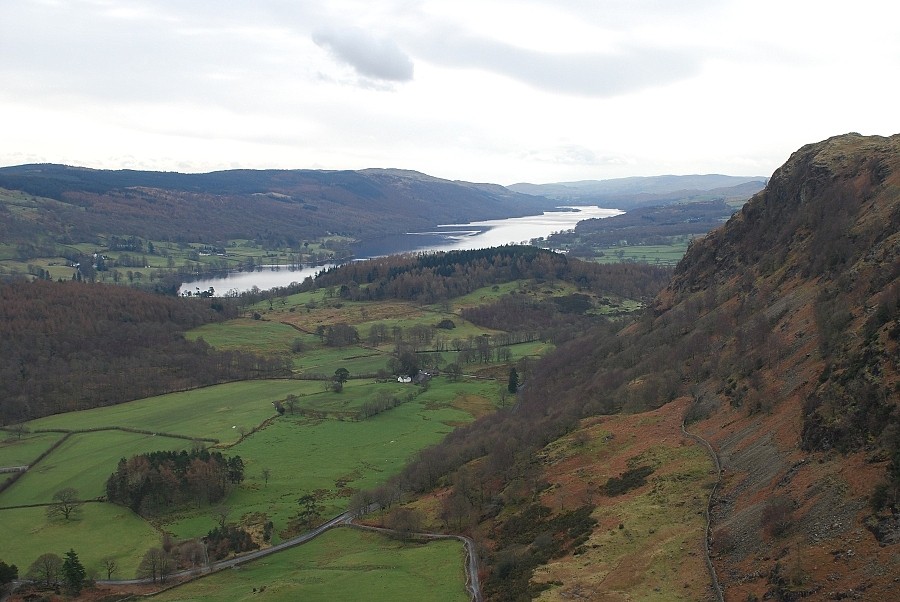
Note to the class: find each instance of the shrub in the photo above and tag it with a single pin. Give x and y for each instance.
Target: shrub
(630, 479)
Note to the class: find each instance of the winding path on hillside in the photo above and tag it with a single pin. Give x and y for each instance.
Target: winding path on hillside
(706, 512)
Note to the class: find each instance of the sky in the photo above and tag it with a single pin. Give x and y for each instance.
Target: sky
(479, 90)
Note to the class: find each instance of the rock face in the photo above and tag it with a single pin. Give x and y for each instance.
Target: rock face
(804, 402)
(827, 207)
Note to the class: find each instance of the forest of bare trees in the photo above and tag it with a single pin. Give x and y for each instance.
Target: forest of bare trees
(70, 346)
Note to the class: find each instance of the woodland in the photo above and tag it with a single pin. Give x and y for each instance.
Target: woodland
(657, 225)
(71, 345)
(159, 481)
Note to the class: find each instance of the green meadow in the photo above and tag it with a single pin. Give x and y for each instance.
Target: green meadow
(260, 336)
(669, 254)
(334, 457)
(209, 412)
(341, 564)
(84, 461)
(22, 451)
(100, 531)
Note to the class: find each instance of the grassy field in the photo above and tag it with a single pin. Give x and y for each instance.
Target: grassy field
(209, 412)
(84, 461)
(301, 455)
(342, 564)
(20, 452)
(245, 333)
(336, 457)
(279, 329)
(658, 254)
(102, 530)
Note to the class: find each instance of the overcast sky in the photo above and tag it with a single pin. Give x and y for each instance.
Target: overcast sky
(481, 90)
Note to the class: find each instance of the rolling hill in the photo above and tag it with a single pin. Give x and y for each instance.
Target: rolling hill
(62, 204)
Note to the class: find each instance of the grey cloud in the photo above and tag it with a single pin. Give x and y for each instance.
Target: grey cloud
(582, 74)
(369, 56)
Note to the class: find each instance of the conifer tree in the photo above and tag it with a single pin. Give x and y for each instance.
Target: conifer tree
(73, 573)
(513, 385)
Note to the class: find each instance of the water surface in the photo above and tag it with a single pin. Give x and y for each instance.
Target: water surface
(450, 237)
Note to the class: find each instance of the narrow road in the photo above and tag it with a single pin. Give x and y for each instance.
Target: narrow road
(709, 502)
(338, 520)
(473, 585)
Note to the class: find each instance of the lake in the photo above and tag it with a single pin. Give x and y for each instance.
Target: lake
(450, 237)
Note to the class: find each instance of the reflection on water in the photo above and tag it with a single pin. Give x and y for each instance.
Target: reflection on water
(451, 237)
(480, 235)
(266, 277)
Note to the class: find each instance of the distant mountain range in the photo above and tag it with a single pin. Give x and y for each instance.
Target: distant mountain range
(62, 204)
(284, 207)
(627, 193)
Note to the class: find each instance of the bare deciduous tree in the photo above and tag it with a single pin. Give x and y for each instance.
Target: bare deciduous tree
(155, 565)
(111, 566)
(65, 504)
(45, 569)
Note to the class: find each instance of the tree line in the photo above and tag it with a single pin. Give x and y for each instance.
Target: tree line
(439, 276)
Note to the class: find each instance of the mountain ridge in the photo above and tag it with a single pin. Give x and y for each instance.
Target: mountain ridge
(287, 205)
(644, 191)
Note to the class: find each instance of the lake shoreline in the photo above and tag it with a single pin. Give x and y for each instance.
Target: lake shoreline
(448, 237)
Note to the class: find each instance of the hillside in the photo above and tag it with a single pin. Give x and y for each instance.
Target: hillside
(779, 332)
(807, 421)
(65, 204)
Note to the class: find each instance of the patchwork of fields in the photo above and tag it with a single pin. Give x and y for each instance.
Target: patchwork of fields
(317, 445)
